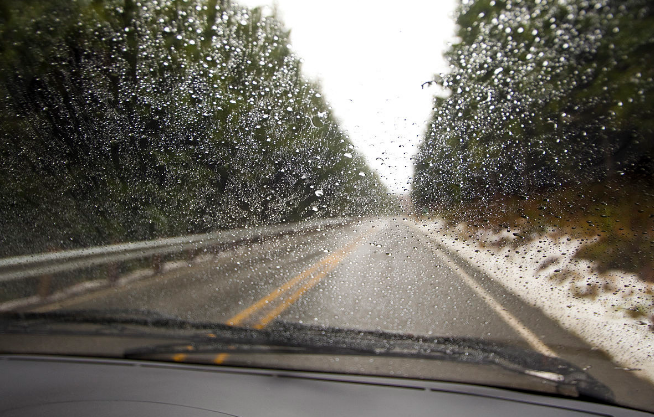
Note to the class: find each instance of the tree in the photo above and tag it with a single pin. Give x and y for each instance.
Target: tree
(125, 120)
(543, 93)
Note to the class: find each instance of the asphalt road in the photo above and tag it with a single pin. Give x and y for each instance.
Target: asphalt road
(380, 274)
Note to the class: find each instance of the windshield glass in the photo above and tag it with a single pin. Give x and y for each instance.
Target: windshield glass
(465, 173)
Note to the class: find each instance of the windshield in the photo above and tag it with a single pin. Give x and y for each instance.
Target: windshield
(336, 179)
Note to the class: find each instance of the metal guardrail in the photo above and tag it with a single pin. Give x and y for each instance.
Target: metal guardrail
(46, 264)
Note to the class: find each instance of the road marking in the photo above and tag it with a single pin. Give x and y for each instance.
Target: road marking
(130, 286)
(219, 259)
(263, 302)
(509, 318)
(321, 268)
(328, 262)
(286, 303)
(220, 358)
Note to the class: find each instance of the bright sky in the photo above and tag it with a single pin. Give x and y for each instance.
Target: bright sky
(371, 59)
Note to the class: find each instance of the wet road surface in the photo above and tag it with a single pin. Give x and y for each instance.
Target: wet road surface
(379, 274)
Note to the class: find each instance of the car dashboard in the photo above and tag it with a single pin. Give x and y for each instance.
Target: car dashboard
(74, 386)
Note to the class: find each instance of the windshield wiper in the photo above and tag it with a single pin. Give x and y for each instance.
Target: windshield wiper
(212, 338)
(297, 338)
(29, 322)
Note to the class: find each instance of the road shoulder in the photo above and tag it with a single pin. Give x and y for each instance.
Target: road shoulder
(629, 343)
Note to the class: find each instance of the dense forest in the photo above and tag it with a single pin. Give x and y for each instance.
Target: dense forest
(127, 120)
(545, 124)
(542, 94)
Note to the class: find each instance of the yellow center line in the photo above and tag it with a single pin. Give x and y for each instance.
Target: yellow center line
(293, 298)
(238, 318)
(220, 358)
(323, 267)
(334, 259)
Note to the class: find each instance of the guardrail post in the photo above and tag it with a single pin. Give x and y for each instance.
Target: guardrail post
(45, 281)
(156, 264)
(112, 273)
(45, 286)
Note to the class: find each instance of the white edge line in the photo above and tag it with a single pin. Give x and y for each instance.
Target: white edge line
(509, 318)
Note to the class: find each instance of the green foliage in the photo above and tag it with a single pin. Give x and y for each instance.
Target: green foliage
(543, 93)
(124, 120)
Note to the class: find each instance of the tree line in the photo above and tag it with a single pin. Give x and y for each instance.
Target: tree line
(541, 94)
(127, 120)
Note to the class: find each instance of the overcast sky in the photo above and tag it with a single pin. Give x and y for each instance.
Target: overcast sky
(371, 59)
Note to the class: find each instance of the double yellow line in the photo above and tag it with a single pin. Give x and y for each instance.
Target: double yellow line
(315, 272)
(307, 279)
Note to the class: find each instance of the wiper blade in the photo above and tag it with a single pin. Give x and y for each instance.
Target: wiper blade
(91, 315)
(189, 337)
(144, 317)
(89, 322)
(297, 338)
